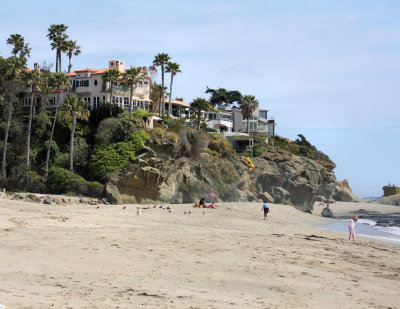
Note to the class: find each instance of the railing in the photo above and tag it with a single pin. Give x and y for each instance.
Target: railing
(122, 88)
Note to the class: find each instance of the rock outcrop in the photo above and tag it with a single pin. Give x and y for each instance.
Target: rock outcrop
(390, 190)
(289, 179)
(339, 191)
(390, 200)
(327, 213)
(278, 177)
(343, 193)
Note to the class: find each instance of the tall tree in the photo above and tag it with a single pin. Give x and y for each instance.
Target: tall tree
(76, 108)
(197, 106)
(173, 68)
(20, 47)
(72, 49)
(10, 81)
(224, 97)
(248, 105)
(112, 76)
(161, 60)
(32, 80)
(57, 36)
(60, 81)
(133, 76)
(155, 96)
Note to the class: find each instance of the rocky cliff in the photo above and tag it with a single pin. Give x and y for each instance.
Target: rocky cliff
(391, 196)
(278, 176)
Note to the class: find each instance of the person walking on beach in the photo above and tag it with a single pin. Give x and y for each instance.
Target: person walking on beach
(352, 224)
(266, 209)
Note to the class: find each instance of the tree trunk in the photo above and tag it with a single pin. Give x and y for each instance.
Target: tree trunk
(4, 160)
(70, 65)
(51, 138)
(111, 92)
(28, 142)
(71, 147)
(59, 59)
(162, 90)
(198, 120)
(56, 60)
(130, 100)
(248, 124)
(170, 95)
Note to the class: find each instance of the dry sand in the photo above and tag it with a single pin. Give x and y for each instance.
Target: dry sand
(80, 256)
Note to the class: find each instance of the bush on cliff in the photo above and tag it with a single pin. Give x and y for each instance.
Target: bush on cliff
(108, 158)
(300, 147)
(191, 143)
(61, 181)
(219, 144)
(260, 146)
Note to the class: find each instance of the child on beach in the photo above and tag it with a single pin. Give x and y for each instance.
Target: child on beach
(352, 224)
(266, 209)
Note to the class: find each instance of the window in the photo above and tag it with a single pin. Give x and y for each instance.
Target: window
(104, 98)
(95, 82)
(87, 100)
(96, 102)
(26, 102)
(84, 83)
(51, 102)
(126, 103)
(146, 83)
(140, 85)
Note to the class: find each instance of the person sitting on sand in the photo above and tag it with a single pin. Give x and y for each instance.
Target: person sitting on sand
(352, 224)
(202, 202)
(212, 205)
(266, 209)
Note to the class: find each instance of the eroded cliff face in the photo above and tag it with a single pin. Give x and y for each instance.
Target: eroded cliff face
(278, 176)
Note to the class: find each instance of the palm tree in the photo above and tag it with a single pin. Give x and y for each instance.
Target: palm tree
(161, 60)
(57, 36)
(72, 49)
(173, 68)
(60, 81)
(133, 76)
(32, 79)
(77, 109)
(17, 41)
(20, 47)
(10, 71)
(155, 96)
(248, 105)
(199, 105)
(112, 76)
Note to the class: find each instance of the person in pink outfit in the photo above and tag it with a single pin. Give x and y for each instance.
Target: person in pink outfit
(352, 224)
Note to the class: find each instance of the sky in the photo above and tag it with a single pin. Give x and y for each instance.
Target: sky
(329, 70)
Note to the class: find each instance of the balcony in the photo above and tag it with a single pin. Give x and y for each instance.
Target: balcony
(221, 123)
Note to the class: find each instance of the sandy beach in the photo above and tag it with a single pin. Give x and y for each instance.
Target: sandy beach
(81, 256)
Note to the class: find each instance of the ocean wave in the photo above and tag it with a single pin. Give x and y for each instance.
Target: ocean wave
(366, 221)
(395, 240)
(390, 229)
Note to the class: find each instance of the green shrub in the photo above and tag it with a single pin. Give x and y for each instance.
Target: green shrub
(61, 181)
(221, 145)
(108, 158)
(140, 113)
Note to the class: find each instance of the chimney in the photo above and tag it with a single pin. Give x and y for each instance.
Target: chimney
(36, 66)
(116, 64)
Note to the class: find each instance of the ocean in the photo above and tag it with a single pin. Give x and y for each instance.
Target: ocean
(368, 228)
